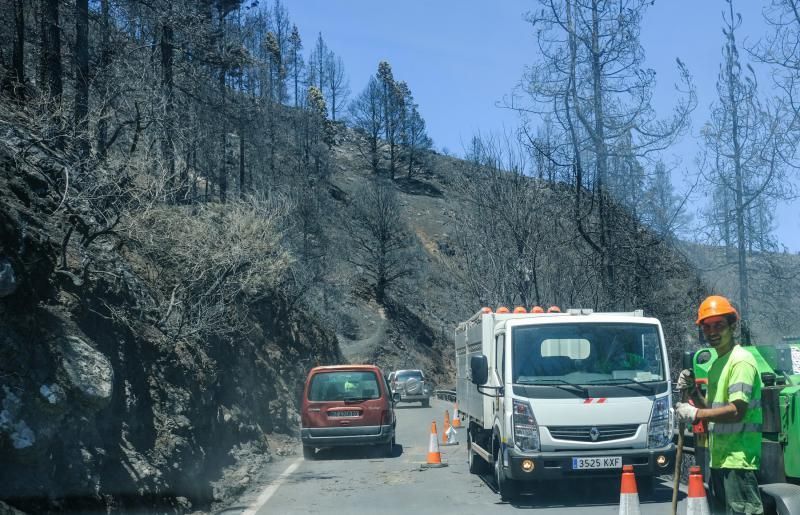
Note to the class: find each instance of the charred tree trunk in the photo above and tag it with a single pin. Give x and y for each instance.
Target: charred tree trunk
(740, 209)
(105, 61)
(167, 141)
(223, 170)
(81, 119)
(18, 56)
(51, 48)
(601, 152)
(51, 53)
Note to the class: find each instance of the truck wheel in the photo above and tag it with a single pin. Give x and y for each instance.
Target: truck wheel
(426, 403)
(477, 465)
(308, 452)
(507, 488)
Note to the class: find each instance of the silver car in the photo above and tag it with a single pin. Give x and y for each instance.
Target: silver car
(412, 386)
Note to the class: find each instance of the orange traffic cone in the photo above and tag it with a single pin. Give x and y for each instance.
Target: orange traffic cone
(434, 456)
(696, 503)
(628, 495)
(456, 417)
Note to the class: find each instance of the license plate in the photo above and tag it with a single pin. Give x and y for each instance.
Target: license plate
(343, 413)
(613, 462)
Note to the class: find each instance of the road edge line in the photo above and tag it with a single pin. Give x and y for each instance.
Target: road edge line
(270, 490)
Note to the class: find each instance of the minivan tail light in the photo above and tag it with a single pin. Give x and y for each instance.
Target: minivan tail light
(385, 417)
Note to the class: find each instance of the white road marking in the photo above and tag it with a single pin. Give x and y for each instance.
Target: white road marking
(271, 489)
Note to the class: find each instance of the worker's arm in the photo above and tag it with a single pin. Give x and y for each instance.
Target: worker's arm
(732, 412)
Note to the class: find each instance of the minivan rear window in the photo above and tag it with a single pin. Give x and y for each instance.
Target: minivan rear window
(344, 385)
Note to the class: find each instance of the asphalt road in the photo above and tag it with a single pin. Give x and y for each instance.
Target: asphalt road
(358, 481)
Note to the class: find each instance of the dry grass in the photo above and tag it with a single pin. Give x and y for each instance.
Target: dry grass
(209, 261)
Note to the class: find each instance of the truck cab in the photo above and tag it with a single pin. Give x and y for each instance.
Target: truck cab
(549, 396)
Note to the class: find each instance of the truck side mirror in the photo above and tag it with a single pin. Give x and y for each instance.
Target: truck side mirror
(479, 369)
(396, 397)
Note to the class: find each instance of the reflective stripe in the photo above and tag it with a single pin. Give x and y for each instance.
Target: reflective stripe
(735, 427)
(740, 387)
(754, 404)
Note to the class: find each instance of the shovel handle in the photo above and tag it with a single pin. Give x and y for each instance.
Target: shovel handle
(678, 459)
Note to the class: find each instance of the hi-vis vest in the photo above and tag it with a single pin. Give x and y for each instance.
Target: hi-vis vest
(735, 445)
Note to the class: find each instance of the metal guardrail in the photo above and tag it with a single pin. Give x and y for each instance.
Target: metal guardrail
(445, 395)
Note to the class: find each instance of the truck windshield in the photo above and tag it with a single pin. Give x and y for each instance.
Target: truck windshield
(587, 353)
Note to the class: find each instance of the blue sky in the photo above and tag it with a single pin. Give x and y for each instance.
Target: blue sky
(462, 57)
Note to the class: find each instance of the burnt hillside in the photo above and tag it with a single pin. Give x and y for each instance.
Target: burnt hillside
(104, 402)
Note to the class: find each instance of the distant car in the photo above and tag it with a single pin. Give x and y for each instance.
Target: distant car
(347, 405)
(412, 386)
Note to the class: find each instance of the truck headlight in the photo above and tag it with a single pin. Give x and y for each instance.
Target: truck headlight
(526, 430)
(659, 432)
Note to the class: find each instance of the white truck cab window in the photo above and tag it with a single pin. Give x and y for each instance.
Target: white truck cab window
(586, 353)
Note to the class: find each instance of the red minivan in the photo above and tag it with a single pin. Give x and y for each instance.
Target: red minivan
(347, 405)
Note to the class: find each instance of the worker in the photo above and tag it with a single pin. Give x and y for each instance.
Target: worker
(732, 409)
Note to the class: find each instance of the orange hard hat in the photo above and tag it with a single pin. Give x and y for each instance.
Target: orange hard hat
(713, 306)
(554, 309)
(537, 309)
(520, 309)
(502, 309)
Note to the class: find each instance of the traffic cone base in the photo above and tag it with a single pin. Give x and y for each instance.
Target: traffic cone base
(696, 502)
(628, 495)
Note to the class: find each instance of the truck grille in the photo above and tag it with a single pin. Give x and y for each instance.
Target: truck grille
(583, 433)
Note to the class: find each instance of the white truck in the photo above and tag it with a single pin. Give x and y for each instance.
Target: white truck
(549, 396)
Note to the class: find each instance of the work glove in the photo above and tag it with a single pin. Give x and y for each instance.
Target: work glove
(686, 381)
(685, 412)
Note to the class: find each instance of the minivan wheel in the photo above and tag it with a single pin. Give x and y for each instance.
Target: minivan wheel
(308, 452)
(507, 488)
(388, 449)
